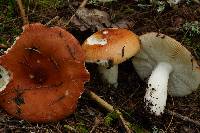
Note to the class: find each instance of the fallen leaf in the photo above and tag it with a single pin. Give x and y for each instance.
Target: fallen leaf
(91, 18)
(123, 23)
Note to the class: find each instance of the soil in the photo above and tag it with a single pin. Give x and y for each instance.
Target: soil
(128, 97)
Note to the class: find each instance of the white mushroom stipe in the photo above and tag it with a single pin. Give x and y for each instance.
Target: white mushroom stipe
(156, 93)
(110, 75)
(4, 78)
(93, 40)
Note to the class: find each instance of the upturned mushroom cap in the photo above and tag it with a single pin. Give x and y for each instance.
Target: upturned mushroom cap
(46, 67)
(185, 76)
(111, 45)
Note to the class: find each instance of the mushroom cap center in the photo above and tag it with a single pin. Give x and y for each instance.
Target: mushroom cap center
(38, 75)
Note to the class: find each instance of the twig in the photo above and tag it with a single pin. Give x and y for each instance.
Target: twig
(196, 1)
(3, 46)
(81, 6)
(171, 117)
(110, 108)
(70, 128)
(22, 12)
(124, 122)
(103, 103)
(184, 118)
(96, 123)
(53, 20)
(83, 3)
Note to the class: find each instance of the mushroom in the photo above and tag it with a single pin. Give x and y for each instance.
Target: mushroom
(43, 74)
(108, 48)
(171, 68)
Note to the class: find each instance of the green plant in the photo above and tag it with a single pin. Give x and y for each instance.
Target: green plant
(8, 28)
(191, 31)
(81, 128)
(188, 1)
(110, 118)
(97, 2)
(191, 28)
(159, 5)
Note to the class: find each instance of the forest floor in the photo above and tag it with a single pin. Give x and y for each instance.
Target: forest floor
(181, 22)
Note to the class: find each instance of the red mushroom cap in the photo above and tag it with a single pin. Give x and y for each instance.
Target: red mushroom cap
(47, 71)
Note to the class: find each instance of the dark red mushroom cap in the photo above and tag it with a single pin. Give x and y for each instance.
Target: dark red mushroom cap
(46, 67)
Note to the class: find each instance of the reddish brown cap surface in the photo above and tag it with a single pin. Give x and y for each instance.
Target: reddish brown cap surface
(113, 44)
(47, 74)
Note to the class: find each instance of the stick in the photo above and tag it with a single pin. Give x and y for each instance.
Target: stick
(196, 1)
(52, 20)
(81, 6)
(96, 123)
(184, 118)
(3, 46)
(83, 3)
(110, 108)
(22, 12)
(73, 130)
(103, 103)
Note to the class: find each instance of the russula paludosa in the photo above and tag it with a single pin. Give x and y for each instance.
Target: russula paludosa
(171, 68)
(108, 48)
(46, 74)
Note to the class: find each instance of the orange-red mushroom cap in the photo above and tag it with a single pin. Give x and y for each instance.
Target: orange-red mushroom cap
(46, 67)
(112, 44)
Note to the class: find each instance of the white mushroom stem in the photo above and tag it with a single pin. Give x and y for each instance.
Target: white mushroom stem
(110, 75)
(156, 93)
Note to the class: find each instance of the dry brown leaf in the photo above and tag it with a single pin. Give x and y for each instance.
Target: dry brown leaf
(98, 20)
(87, 18)
(123, 23)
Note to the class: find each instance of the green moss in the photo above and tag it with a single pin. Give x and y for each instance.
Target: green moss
(81, 128)
(110, 118)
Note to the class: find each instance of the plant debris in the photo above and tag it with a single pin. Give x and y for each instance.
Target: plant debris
(87, 18)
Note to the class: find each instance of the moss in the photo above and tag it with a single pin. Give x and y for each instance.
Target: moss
(81, 128)
(110, 118)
